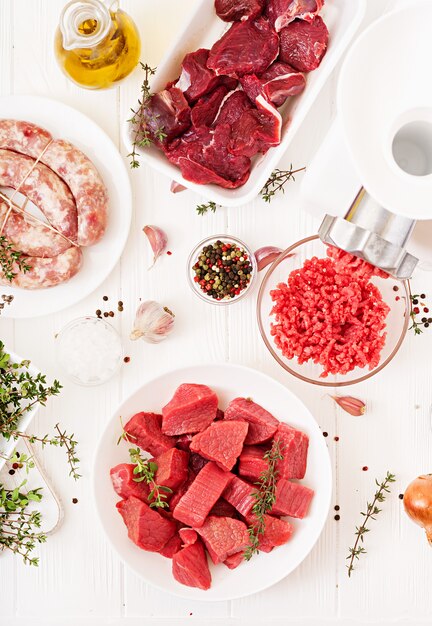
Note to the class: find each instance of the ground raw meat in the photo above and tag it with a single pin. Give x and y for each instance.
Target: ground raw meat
(207, 107)
(252, 462)
(262, 424)
(294, 445)
(172, 468)
(292, 499)
(190, 567)
(221, 442)
(206, 489)
(146, 528)
(303, 44)
(223, 536)
(145, 431)
(124, 483)
(239, 10)
(239, 494)
(171, 547)
(191, 409)
(276, 84)
(168, 111)
(247, 47)
(331, 313)
(283, 12)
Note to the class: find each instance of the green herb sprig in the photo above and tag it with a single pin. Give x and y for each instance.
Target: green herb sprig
(417, 301)
(372, 511)
(9, 258)
(145, 470)
(202, 209)
(277, 181)
(265, 497)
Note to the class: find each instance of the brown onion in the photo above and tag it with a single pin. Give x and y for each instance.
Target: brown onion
(418, 503)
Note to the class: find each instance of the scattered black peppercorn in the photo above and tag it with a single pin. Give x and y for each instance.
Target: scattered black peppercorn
(337, 507)
(325, 434)
(395, 288)
(365, 468)
(74, 500)
(111, 313)
(105, 298)
(336, 438)
(126, 359)
(105, 314)
(401, 496)
(337, 517)
(11, 472)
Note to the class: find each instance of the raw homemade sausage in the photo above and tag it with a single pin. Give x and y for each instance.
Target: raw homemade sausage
(47, 272)
(72, 165)
(43, 187)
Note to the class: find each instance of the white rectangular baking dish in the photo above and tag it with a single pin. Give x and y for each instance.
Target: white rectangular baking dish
(342, 17)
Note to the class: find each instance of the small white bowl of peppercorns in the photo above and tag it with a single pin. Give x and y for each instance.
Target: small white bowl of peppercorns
(221, 269)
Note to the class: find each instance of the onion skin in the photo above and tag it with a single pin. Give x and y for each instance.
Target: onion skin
(418, 503)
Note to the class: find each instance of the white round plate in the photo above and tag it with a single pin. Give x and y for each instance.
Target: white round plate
(64, 122)
(263, 570)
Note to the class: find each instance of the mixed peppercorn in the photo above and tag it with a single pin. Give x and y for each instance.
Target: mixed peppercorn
(223, 270)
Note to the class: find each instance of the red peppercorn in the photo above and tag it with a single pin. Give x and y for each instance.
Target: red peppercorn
(15, 465)
(426, 310)
(169, 253)
(416, 310)
(196, 279)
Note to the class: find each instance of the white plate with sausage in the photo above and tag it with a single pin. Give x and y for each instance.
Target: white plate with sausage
(64, 177)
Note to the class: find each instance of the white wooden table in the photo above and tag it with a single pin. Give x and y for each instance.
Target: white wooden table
(80, 580)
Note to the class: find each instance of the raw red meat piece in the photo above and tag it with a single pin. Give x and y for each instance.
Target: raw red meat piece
(283, 12)
(172, 468)
(171, 547)
(256, 131)
(205, 490)
(188, 536)
(277, 532)
(197, 462)
(219, 415)
(303, 44)
(221, 442)
(223, 536)
(145, 431)
(191, 409)
(122, 478)
(252, 463)
(292, 499)
(239, 10)
(168, 111)
(183, 442)
(294, 446)
(233, 107)
(177, 495)
(247, 47)
(146, 528)
(205, 110)
(239, 494)
(196, 78)
(275, 84)
(262, 424)
(222, 508)
(234, 560)
(190, 567)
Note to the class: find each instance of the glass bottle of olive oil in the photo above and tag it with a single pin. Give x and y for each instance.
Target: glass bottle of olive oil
(95, 45)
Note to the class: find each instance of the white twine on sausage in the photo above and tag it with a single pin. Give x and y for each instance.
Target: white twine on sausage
(12, 206)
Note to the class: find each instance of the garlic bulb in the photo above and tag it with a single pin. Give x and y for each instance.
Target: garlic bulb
(153, 322)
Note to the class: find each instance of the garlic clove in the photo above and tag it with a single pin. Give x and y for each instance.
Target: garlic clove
(157, 239)
(266, 255)
(351, 405)
(153, 322)
(176, 187)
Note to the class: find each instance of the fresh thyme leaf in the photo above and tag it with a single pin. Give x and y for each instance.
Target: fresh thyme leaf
(372, 511)
(145, 470)
(265, 497)
(417, 305)
(201, 209)
(9, 258)
(277, 182)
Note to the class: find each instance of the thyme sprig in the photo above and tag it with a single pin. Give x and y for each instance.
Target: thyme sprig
(9, 257)
(142, 136)
(265, 497)
(277, 181)
(417, 301)
(372, 511)
(145, 470)
(202, 209)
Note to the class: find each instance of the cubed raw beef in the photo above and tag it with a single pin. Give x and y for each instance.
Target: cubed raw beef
(188, 536)
(172, 468)
(183, 442)
(303, 44)
(167, 112)
(205, 110)
(221, 442)
(222, 508)
(239, 10)
(197, 462)
(294, 447)
(252, 462)
(205, 490)
(145, 431)
(256, 131)
(191, 409)
(292, 499)
(124, 483)
(247, 47)
(171, 547)
(196, 78)
(146, 528)
(276, 84)
(233, 107)
(262, 424)
(283, 12)
(239, 493)
(223, 536)
(177, 495)
(277, 533)
(219, 415)
(190, 567)
(234, 560)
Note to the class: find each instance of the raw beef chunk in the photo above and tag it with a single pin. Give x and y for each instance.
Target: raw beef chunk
(233, 107)
(191, 409)
(146, 528)
(183, 442)
(202, 494)
(205, 110)
(168, 112)
(292, 499)
(277, 533)
(294, 446)
(234, 560)
(303, 44)
(239, 494)
(188, 536)
(221, 442)
(223, 536)
(222, 508)
(262, 424)
(177, 495)
(197, 462)
(256, 131)
(246, 48)
(122, 478)
(196, 78)
(283, 12)
(252, 463)
(171, 547)
(190, 567)
(145, 431)
(172, 468)
(239, 10)
(275, 84)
